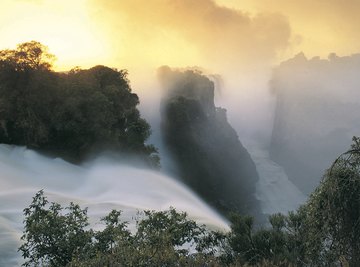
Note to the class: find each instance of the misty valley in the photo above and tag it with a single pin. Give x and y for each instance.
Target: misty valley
(92, 174)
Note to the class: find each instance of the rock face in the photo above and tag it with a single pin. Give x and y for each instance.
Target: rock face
(317, 113)
(209, 155)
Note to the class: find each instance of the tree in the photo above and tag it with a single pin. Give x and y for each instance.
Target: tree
(114, 235)
(51, 236)
(25, 84)
(285, 243)
(69, 114)
(28, 56)
(333, 212)
(99, 111)
(55, 236)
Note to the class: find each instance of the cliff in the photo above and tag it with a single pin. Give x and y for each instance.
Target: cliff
(209, 155)
(317, 113)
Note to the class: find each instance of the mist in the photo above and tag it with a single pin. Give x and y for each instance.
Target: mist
(239, 46)
(292, 117)
(252, 102)
(101, 185)
(316, 114)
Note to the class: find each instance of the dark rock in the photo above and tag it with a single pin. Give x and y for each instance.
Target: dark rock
(210, 157)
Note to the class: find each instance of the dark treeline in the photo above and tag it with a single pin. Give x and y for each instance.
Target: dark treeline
(323, 232)
(68, 114)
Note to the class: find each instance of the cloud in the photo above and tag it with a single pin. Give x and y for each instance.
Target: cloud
(230, 42)
(324, 26)
(186, 28)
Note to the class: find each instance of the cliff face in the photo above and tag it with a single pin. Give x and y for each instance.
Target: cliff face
(209, 155)
(317, 113)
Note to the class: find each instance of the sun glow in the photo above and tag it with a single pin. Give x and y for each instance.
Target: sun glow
(64, 26)
(139, 34)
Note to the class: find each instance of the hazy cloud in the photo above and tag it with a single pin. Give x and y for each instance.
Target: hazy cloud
(324, 26)
(215, 33)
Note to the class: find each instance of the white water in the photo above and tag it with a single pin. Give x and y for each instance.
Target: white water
(274, 190)
(101, 186)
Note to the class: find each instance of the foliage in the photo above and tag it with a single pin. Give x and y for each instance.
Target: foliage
(28, 56)
(164, 238)
(254, 246)
(68, 114)
(323, 232)
(333, 212)
(51, 236)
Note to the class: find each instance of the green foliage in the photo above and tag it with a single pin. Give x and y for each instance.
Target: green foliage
(333, 212)
(68, 114)
(254, 246)
(53, 237)
(114, 234)
(323, 232)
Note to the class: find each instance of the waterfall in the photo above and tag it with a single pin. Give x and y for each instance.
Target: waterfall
(100, 185)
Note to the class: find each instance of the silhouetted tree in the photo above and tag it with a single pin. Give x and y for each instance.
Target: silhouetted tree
(68, 114)
(28, 56)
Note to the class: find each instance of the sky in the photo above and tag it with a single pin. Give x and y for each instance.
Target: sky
(217, 35)
(240, 41)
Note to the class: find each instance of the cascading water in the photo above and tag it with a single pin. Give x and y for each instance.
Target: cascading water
(274, 190)
(251, 114)
(101, 186)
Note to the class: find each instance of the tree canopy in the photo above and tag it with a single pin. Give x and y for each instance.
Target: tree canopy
(29, 55)
(68, 114)
(333, 212)
(57, 236)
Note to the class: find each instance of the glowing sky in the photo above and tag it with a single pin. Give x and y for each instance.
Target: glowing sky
(64, 26)
(143, 33)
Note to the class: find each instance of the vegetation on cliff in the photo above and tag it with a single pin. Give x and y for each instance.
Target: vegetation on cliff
(68, 114)
(209, 155)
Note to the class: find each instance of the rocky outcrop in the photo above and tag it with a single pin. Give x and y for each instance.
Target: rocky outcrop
(207, 150)
(317, 113)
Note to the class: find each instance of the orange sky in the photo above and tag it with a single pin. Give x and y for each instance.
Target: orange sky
(150, 33)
